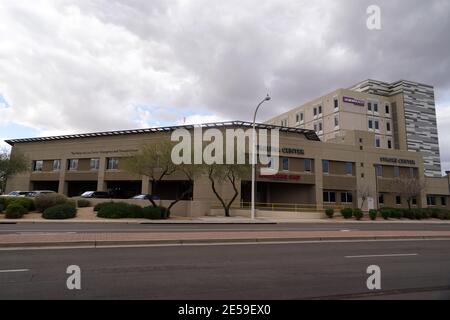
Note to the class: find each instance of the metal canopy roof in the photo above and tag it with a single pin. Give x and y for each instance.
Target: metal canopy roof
(309, 134)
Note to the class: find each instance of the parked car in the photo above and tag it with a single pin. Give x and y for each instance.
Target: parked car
(36, 193)
(146, 197)
(16, 194)
(95, 194)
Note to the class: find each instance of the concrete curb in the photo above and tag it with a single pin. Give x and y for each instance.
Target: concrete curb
(106, 243)
(243, 221)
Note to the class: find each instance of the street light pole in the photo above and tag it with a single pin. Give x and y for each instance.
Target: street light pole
(254, 156)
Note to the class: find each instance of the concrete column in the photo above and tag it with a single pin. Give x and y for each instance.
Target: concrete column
(101, 184)
(62, 186)
(318, 188)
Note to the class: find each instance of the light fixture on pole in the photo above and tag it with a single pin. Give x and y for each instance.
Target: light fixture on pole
(254, 156)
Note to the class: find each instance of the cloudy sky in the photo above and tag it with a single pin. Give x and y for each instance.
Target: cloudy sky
(74, 66)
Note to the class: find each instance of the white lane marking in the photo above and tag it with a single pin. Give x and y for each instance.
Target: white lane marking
(384, 255)
(214, 244)
(44, 233)
(16, 270)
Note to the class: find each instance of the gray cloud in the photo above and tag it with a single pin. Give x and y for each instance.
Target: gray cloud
(101, 64)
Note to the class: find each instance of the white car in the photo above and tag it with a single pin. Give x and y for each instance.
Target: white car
(34, 194)
(17, 194)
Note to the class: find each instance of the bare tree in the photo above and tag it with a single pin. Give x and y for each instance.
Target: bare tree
(11, 164)
(364, 193)
(155, 161)
(223, 174)
(408, 187)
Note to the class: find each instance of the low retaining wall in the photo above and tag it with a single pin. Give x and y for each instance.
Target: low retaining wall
(204, 208)
(268, 214)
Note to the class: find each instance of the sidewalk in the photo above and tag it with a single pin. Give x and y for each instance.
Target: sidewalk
(107, 239)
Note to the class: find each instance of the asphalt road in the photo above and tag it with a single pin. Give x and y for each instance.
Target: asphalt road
(409, 269)
(20, 228)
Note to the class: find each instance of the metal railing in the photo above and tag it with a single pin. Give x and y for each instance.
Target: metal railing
(287, 207)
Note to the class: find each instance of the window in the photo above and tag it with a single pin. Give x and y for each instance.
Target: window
(315, 127)
(414, 201)
(113, 164)
(315, 112)
(370, 124)
(379, 170)
(336, 103)
(95, 164)
(73, 164)
(299, 117)
(325, 166)
(377, 142)
(349, 168)
(285, 164)
(308, 165)
(346, 197)
(284, 123)
(388, 126)
(396, 172)
(377, 125)
(413, 172)
(375, 107)
(56, 165)
(320, 109)
(38, 165)
(329, 196)
(398, 200)
(369, 106)
(381, 198)
(336, 121)
(320, 126)
(443, 201)
(302, 118)
(389, 144)
(431, 200)
(388, 109)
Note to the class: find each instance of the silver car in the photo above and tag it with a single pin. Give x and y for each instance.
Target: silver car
(17, 194)
(34, 194)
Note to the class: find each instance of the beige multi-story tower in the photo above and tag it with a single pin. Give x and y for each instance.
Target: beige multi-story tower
(402, 116)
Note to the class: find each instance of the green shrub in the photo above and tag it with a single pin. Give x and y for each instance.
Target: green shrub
(443, 215)
(83, 203)
(329, 213)
(347, 213)
(27, 203)
(60, 211)
(115, 210)
(15, 211)
(3, 202)
(409, 214)
(121, 210)
(98, 206)
(385, 213)
(155, 213)
(373, 214)
(46, 201)
(358, 214)
(2, 207)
